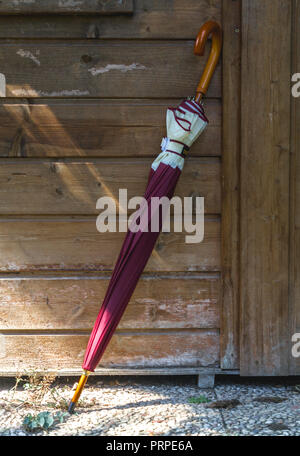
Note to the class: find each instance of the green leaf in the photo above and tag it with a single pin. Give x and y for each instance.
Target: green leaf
(199, 400)
(40, 420)
(49, 421)
(27, 420)
(43, 420)
(34, 424)
(60, 416)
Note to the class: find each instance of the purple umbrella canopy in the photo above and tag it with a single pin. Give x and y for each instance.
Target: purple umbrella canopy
(184, 125)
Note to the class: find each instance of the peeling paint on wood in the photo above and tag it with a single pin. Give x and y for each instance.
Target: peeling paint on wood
(63, 72)
(182, 348)
(123, 68)
(2, 346)
(74, 4)
(40, 93)
(29, 55)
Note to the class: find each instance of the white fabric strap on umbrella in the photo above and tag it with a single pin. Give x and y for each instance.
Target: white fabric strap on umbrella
(184, 124)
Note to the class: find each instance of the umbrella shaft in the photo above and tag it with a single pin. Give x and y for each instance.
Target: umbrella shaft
(77, 394)
(198, 96)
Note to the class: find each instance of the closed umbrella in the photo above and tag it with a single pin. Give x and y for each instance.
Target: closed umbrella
(184, 124)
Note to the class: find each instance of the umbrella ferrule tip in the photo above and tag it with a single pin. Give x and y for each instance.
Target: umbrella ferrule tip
(71, 407)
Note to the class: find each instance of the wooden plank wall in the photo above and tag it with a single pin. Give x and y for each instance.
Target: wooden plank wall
(294, 284)
(265, 182)
(84, 115)
(231, 149)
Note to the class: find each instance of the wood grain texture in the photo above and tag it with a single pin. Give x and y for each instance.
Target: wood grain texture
(67, 303)
(131, 371)
(75, 244)
(66, 7)
(167, 19)
(152, 349)
(294, 290)
(85, 114)
(48, 187)
(134, 69)
(95, 128)
(266, 64)
(231, 70)
(295, 286)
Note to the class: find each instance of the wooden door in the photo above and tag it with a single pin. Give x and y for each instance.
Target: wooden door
(294, 282)
(265, 160)
(261, 300)
(260, 174)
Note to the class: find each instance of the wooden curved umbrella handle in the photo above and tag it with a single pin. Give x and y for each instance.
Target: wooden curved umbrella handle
(208, 28)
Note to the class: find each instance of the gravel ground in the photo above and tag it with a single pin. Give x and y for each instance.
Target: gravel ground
(157, 406)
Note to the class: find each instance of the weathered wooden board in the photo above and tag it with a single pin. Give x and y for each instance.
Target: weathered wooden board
(73, 303)
(134, 69)
(140, 349)
(95, 128)
(171, 19)
(229, 338)
(294, 301)
(296, 162)
(201, 372)
(66, 7)
(295, 294)
(36, 187)
(76, 245)
(265, 340)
